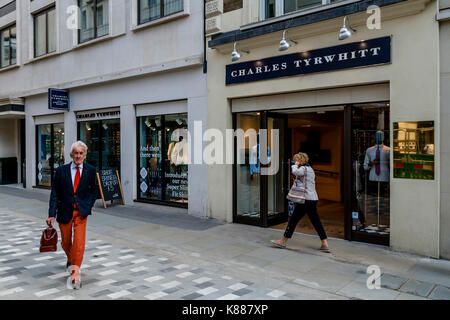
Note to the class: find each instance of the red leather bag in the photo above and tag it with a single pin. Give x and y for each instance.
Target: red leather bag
(49, 240)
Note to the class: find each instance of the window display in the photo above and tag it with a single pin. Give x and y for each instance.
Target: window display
(163, 158)
(248, 172)
(102, 138)
(371, 169)
(50, 152)
(414, 150)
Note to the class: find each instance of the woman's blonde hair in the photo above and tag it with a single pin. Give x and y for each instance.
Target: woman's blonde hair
(301, 158)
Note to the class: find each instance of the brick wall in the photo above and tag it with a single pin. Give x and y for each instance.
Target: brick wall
(230, 5)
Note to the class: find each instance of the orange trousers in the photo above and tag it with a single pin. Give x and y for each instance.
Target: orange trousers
(74, 249)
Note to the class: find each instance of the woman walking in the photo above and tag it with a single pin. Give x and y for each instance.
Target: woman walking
(304, 172)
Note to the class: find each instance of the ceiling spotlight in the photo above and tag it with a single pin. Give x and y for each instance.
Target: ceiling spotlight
(345, 33)
(284, 44)
(88, 127)
(105, 126)
(235, 55)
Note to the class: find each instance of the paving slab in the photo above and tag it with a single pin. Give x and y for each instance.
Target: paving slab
(407, 296)
(417, 288)
(359, 290)
(392, 282)
(440, 293)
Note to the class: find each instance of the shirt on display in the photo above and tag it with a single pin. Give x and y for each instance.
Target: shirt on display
(380, 171)
(255, 163)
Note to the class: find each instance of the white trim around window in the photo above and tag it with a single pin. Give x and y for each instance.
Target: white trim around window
(134, 16)
(279, 8)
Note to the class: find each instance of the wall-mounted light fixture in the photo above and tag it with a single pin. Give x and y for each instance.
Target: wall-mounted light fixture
(346, 33)
(235, 55)
(284, 44)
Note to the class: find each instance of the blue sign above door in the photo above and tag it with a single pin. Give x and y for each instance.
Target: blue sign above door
(351, 55)
(58, 99)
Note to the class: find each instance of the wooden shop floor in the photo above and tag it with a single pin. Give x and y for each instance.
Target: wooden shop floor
(331, 214)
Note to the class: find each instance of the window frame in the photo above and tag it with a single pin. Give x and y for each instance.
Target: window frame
(95, 23)
(161, 12)
(35, 16)
(10, 64)
(52, 152)
(164, 148)
(279, 8)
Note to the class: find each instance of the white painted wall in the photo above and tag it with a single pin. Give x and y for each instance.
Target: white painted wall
(445, 142)
(149, 63)
(124, 51)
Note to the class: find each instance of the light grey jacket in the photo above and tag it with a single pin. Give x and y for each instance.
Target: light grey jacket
(299, 172)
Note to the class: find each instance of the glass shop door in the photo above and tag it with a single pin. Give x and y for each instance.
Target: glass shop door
(259, 172)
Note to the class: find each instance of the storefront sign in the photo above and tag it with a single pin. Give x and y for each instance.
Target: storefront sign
(102, 114)
(351, 55)
(58, 99)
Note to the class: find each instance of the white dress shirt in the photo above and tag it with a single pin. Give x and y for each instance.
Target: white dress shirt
(299, 172)
(73, 171)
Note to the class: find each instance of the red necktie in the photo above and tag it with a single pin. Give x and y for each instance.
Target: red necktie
(77, 180)
(75, 183)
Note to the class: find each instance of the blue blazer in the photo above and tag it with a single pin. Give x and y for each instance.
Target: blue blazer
(62, 197)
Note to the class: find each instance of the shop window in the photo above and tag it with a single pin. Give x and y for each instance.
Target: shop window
(163, 159)
(8, 41)
(94, 19)
(102, 138)
(44, 32)
(371, 154)
(149, 10)
(50, 152)
(414, 150)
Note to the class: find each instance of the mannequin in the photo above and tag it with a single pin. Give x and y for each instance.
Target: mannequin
(178, 156)
(255, 163)
(377, 161)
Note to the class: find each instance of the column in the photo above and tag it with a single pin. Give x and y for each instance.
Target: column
(128, 152)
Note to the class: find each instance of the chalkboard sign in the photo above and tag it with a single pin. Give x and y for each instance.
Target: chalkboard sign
(109, 185)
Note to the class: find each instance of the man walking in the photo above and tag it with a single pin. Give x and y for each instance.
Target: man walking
(73, 194)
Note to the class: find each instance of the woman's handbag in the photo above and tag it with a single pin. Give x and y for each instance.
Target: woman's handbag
(297, 194)
(49, 240)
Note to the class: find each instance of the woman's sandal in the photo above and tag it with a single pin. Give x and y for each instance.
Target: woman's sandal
(325, 249)
(278, 245)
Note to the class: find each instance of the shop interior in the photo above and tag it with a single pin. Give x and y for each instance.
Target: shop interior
(319, 133)
(353, 187)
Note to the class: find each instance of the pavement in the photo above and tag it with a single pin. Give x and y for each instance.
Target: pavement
(145, 252)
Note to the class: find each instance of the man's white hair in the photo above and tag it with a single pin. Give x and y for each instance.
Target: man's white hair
(77, 145)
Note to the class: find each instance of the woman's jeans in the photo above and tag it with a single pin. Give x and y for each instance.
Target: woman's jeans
(310, 208)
